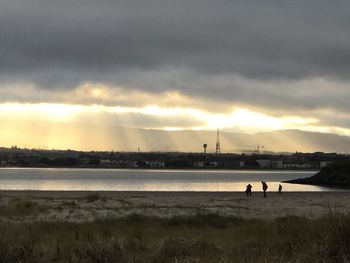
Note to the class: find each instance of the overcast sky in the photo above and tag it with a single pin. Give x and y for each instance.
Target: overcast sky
(184, 64)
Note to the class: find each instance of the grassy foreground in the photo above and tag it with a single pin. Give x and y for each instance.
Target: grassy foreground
(201, 238)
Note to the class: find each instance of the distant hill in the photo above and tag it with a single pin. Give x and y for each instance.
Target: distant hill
(104, 137)
(336, 175)
(296, 140)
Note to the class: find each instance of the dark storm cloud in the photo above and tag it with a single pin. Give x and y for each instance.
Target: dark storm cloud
(194, 46)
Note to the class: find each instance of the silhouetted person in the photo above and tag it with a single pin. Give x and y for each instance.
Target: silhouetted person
(248, 191)
(264, 187)
(279, 188)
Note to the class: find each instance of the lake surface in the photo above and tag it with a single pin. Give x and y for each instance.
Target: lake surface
(148, 180)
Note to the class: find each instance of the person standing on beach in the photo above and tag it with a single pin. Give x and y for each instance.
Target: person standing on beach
(280, 189)
(248, 190)
(264, 187)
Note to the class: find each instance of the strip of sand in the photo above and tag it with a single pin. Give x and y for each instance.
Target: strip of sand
(80, 206)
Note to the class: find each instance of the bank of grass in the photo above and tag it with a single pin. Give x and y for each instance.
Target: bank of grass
(18, 207)
(200, 238)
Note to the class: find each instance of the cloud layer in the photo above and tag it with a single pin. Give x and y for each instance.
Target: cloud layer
(282, 58)
(270, 39)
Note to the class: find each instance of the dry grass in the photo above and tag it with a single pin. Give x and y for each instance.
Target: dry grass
(92, 198)
(18, 207)
(201, 238)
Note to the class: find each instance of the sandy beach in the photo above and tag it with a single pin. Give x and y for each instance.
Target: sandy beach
(34, 206)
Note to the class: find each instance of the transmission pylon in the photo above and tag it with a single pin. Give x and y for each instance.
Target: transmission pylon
(217, 142)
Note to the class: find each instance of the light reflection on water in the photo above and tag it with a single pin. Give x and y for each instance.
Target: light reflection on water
(148, 180)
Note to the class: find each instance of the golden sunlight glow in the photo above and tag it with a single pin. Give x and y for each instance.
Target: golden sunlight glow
(172, 129)
(41, 110)
(66, 126)
(242, 119)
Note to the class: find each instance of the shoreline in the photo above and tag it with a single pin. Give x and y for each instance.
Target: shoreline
(116, 192)
(305, 181)
(110, 194)
(163, 169)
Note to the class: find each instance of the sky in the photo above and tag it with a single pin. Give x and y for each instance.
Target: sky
(241, 66)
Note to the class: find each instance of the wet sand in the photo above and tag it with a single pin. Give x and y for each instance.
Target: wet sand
(79, 206)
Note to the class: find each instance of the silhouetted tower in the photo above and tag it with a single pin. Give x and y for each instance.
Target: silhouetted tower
(218, 142)
(205, 148)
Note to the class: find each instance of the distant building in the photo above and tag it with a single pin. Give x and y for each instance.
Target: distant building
(106, 162)
(156, 164)
(213, 164)
(277, 164)
(324, 164)
(199, 164)
(241, 164)
(132, 164)
(264, 163)
(297, 166)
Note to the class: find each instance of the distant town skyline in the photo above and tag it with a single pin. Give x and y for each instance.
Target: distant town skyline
(172, 65)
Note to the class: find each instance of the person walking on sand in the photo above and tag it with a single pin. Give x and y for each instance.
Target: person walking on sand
(264, 187)
(248, 190)
(280, 189)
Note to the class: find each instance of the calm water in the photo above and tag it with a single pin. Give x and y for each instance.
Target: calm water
(148, 180)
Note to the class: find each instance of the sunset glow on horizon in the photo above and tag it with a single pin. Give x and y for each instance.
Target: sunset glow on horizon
(240, 118)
